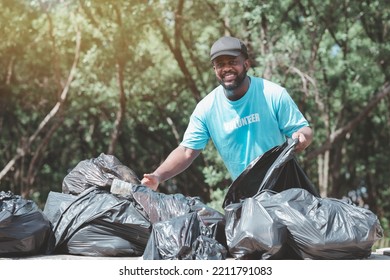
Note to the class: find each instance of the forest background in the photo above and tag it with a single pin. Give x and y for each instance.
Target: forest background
(83, 77)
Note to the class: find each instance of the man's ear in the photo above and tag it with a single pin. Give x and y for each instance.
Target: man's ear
(247, 64)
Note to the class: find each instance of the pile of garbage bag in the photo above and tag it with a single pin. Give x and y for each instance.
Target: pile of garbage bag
(90, 218)
(271, 211)
(295, 224)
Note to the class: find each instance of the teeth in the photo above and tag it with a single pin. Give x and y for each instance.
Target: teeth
(229, 75)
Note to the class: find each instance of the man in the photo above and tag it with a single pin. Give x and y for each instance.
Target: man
(245, 117)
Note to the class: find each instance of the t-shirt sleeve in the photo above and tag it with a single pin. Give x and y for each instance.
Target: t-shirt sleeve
(196, 135)
(289, 116)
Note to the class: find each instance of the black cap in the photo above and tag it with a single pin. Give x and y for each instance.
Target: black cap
(228, 46)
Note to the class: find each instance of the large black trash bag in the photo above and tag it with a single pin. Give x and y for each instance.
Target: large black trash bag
(252, 233)
(96, 223)
(183, 238)
(317, 228)
(24, 229)
(102, 240)
(323, 228)
(97, 172)
(207, 248)
(275, 170)
(172, 239)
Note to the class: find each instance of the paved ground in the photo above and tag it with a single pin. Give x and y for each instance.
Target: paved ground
(379, 254)
(69, 257)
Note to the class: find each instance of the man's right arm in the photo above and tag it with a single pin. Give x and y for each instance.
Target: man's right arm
(177, 161)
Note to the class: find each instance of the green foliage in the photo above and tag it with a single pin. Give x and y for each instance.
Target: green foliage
(217, 197)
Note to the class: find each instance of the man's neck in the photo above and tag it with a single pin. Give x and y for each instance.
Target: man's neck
(239, 92)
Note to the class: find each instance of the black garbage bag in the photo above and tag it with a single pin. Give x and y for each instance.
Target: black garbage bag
(275, 170)
(102, 240)
(172, 239)
(182, 238)
(252, 233)
(97, 172)
(207, 248)
(24, 229)
(96, 223)
(300, 225)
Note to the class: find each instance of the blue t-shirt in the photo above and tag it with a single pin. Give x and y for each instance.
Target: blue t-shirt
(244, 129)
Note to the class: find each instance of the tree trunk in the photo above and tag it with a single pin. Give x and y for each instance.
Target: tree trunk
(21, 151)
(121, 110)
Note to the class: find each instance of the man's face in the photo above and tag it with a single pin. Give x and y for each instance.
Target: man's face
(230, 70)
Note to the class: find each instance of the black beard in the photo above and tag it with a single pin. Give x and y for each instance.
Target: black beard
(237, 83)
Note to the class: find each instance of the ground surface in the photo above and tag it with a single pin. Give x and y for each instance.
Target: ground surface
(379, 254)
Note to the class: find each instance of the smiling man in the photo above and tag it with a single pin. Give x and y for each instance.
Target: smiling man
(244, 117)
